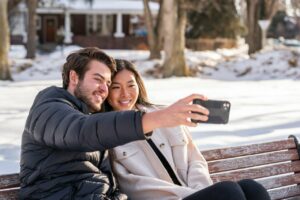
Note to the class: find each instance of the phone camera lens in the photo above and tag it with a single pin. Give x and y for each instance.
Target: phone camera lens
(226, 106)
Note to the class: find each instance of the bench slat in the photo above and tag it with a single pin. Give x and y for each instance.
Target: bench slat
(283, 193)
(250, 161)
(276, 182)
(231, 152)
(9, 181)
(257, 172)
(293, 198)
(10, 194)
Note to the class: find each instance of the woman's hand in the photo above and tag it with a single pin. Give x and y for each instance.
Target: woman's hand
(179, 113)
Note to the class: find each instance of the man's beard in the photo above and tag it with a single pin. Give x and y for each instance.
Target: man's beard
(82, 94)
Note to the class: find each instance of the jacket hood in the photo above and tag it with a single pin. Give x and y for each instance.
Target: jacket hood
(54, 93)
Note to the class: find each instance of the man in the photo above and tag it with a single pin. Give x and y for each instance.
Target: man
(63, 153)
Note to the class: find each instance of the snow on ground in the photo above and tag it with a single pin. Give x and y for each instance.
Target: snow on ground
(263, 90)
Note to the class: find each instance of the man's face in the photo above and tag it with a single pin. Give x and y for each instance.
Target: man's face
(93, 89)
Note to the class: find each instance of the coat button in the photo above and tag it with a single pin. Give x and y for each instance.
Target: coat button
(124, 153)
(162, 145)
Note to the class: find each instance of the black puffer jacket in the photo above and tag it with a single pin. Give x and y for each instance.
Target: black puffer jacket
(63, 148)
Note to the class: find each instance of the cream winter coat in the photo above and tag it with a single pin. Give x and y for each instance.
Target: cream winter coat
(142, 176)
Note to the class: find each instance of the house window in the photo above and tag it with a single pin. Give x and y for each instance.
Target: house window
(110, 23)
(99, 24)
(38, 22)
(95, 25)
(92, 25)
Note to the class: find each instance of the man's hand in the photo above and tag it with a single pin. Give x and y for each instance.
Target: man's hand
(179, 113)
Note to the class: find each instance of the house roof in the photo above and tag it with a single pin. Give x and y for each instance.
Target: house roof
(98, 6)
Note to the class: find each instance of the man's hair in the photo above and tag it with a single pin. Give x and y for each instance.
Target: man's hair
(79, 62)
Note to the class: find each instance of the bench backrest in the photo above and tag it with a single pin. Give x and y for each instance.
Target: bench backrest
(274, 164)
(9, 186)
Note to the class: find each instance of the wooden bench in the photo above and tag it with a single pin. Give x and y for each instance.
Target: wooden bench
(274, 164)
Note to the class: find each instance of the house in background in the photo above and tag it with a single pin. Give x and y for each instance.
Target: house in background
(108, 24)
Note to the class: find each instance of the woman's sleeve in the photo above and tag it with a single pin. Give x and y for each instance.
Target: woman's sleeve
(198, 174)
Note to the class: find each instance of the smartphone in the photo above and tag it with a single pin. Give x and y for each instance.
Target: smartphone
(218, 111)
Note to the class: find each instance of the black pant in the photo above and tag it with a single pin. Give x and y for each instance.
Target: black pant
(243, 190)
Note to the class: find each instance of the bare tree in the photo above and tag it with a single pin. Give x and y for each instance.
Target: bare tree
(253, 38)
(174, 21)
(31, 40)
(174, 26)
(258, 9)
(154, 31)
(271, 7)
(4, 42)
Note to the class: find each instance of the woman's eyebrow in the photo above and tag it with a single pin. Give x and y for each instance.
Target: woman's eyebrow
(114, 82)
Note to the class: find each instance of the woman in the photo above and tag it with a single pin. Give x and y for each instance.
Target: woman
(169, 165)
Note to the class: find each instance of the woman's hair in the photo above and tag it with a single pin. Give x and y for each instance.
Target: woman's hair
(142, 97)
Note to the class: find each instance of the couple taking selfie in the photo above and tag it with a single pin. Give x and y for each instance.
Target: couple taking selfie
(99, 137)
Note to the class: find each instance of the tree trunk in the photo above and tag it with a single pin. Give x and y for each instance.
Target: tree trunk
(31, 40)
(153, 33)
(159, 28)
(180, 67)
(270, 8)
(4, 42)
(174, 43)
(253, 38)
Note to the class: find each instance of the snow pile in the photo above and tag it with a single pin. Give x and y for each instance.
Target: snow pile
(44, 67)
(276, 64)
(236, 64)
(222, 64)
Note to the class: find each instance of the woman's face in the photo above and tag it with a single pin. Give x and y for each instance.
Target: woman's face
(124, 91)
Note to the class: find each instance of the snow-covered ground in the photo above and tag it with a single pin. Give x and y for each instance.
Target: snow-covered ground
(263, 90)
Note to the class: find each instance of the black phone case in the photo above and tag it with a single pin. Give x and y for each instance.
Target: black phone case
(218, 111)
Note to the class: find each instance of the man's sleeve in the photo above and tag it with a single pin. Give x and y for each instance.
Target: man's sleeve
(58, 125)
